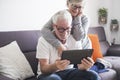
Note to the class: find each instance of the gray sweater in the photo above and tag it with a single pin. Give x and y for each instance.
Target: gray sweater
(79, 31)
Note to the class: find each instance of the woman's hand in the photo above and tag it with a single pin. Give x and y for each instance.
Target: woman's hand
(86, 64)
(79, 13)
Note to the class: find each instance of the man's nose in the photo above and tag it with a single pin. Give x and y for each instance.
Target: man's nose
(65, 32)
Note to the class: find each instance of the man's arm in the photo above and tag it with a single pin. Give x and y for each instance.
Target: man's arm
(43, 56)
(50, 68)
(47, 68)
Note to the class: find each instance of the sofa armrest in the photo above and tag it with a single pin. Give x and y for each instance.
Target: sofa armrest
(114, 50)
(4, 78)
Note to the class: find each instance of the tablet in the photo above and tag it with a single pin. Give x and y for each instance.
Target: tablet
(75, 56)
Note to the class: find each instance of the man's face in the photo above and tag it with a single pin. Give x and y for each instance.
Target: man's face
(62, 29)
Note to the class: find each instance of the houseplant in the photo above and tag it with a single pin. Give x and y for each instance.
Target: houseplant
(102, 12)
(114, 25)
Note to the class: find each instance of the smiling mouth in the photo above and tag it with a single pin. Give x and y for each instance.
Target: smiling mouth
(74, 11)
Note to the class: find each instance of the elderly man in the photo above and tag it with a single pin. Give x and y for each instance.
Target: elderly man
(50, 66)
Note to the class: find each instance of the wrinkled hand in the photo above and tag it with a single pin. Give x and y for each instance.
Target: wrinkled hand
(60, 49)
(61, 64)
(80, 13)
(86, 64)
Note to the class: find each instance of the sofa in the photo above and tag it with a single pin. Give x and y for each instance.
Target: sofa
(27, 41)
(111, 53)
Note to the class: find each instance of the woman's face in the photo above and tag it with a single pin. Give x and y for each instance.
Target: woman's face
(75, 8)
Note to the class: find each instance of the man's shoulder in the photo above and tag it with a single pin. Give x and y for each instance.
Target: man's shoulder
(42, 40)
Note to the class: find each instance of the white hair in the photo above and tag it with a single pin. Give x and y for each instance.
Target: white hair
(63, 14)
(76, 1)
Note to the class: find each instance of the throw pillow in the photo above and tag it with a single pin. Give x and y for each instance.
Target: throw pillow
(13, 63)
(96, 46)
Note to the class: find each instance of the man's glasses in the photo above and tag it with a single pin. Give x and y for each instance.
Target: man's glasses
(74, 7)
(61, 29)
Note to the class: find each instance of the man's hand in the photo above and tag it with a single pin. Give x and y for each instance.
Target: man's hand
(86, 64)
(61, 64)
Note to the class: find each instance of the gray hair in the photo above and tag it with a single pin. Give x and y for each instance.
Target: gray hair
(63, 14)
(76, 1)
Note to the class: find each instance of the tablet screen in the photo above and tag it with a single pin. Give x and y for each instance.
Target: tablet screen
(75, 56)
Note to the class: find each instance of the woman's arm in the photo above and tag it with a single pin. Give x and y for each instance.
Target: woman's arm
(85, 23)
(80, 27)
(48, 35)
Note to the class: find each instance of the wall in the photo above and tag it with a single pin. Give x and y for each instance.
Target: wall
(113, 12)
(116, 15)
(32, 14)
(27, 14)
(91, 9)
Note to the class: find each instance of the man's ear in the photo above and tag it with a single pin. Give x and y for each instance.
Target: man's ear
(67, 3)
(53, 25)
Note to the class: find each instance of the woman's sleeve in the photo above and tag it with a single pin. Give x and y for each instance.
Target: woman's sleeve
(80, 27)
(48, 34)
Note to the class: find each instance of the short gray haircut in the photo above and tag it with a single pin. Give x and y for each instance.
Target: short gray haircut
(76, 1)
(62, 14)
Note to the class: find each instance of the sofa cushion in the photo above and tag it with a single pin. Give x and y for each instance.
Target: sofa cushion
(110, 75)
(31, 57)
(96, 46)
(13, 63)
(114, 60)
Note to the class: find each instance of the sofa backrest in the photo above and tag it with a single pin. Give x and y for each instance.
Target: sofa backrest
(99, 30)
(27, 41)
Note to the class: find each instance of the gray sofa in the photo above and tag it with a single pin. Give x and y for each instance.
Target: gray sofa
(111, 53)
(27, 40)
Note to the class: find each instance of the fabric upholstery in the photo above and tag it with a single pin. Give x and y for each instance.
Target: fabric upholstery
(102, 38)
(4, 78)
(31, 57)
(27, 41)
(115, 61)
(96, 46)
(13, 63)
(110, 75)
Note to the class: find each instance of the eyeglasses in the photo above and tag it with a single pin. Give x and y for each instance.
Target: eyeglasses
(61, 29)
(74, 7)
